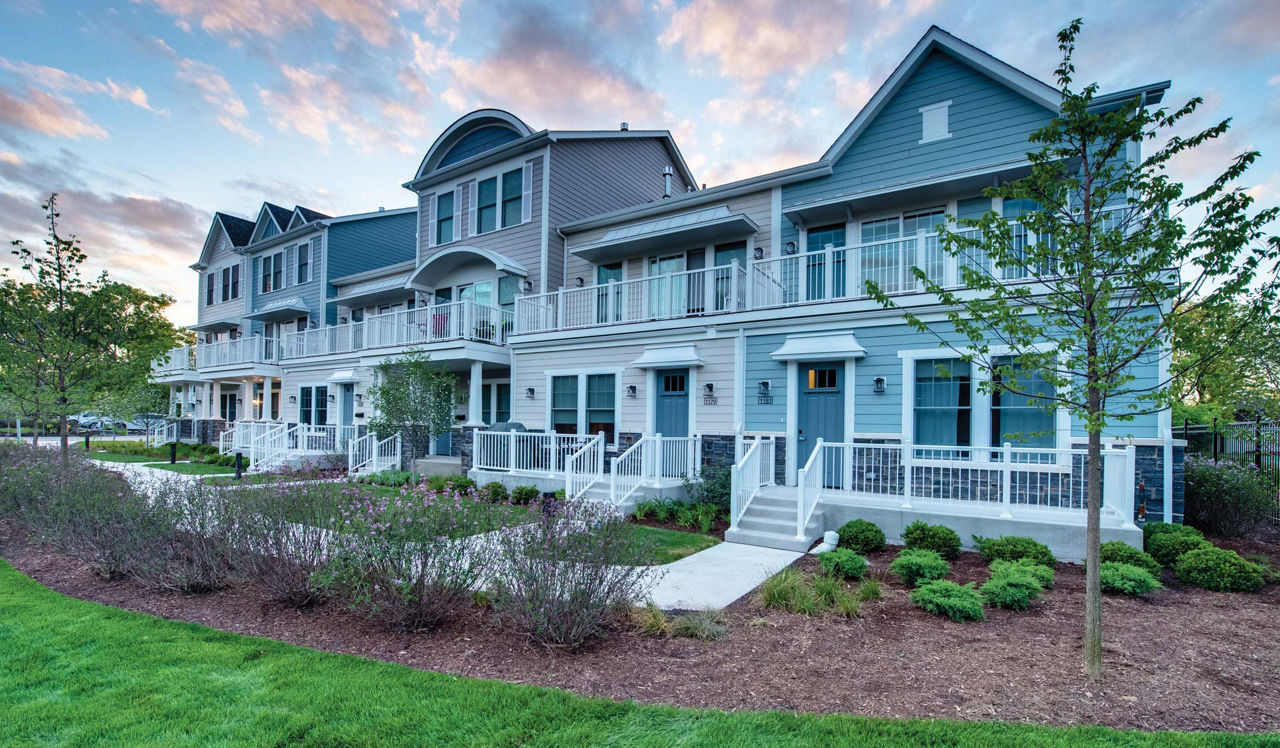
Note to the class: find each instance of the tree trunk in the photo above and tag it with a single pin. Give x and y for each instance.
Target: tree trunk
(1093, 533)
(64, 429)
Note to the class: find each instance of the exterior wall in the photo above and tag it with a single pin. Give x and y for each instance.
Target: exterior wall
(311, 292)
(477, 142)
(357, 246)
(223, 255)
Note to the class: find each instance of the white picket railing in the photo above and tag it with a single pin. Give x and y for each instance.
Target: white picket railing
(1000, 480)
(272, 447)
(690, 293)
(360, 453)
(368, 454)
(325, 439)
(676, 457)
(627, 471)
(459, 320)
(752, 471)
(387, 454)
(254, 349)
(584, 468)
(524, 452)
(165, 434)
(239, 438)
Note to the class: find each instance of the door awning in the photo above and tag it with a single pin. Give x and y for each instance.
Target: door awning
(835, 346)
(669, 356)
(343, 376)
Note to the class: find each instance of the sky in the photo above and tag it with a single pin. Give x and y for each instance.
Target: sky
(147, 116)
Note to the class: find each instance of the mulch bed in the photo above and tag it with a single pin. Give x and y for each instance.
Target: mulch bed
(1188, 659)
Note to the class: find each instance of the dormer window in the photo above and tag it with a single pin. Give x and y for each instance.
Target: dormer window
(934, 122)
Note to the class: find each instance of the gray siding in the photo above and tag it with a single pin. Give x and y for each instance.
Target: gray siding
(311, 292)
(223, 255)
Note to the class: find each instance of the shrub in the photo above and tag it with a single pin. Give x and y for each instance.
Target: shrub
(706, 515)
(945, 598)
(1012, 589)
(915, 566)
(1219, 570)
(662, 510)
(869, 589)
(1116, 551)
(861, 536)
(523, 495)
(494, 493)
(703, 625)
(938, 538)
(685, 516)
(562, 578)
(1152, 529)
(788, 591)
(1226, 498)
(713, 487)
(644, 509)
(1025, 566)
(843, 563)
(650, 620)
(1013, 547)
(1127, 579)
(205, 523)
(825, 589)
(1168, 547)
(1270, 571)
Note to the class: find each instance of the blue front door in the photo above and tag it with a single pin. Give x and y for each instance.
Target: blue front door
(672, 418)
(820, 406)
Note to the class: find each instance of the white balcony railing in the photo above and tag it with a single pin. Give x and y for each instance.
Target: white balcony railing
(690, 293)
(250, 350)
(460, 320)
(175, 361)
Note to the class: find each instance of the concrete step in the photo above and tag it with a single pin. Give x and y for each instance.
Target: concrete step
(773, 502)
(780, 514)
(768, 540)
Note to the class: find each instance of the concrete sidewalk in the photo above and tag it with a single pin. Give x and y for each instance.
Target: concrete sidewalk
(714, 578)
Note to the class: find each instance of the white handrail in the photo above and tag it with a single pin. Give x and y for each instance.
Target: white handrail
(627, 471)
(267, 447)
(809, 485)
(584, 468)
(387, 453)
(743, 483)
(360, 453)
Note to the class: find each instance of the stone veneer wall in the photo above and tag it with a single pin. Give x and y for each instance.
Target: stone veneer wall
(460, 446)
(1149, 483)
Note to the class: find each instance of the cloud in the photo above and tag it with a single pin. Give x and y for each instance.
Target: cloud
(210, 85)
(46, 114)
(544, 69)
(255, 188)
(312, 102)
(56, 79)
(851, 94)
(376, 21)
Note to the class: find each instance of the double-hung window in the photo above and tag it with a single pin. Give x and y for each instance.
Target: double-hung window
(943, 402)
(1022, 417)
(487, 205)
(564, 405)
(601, 415)
(444, 218)
(226, 284)
(210, 280)
(272, 272)
(304, 263)
(595, 412)
(512, 196)
(500, 201)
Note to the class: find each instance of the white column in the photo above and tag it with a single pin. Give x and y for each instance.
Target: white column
(208, 400)
(267, 384)
(173, 398)
(473, 400)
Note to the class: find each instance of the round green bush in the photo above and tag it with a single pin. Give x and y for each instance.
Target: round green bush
(1012, 547)
(494, 493)
(861, 536)
(945, 598)
(916, 566)
(524, 494)
(938, 538)
(1127, 579)
(1023, 566)
(1226, 498)
(1118, 551)
(1152, 529)
(1011, 590)
(843, 563)
(1219, 570)
(1167, 547)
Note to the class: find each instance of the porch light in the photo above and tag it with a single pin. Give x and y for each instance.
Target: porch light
(579, 282)
(631, 390)
(293, 398)
(791, 248)
(333, 398)
(758, 253)
(359, 398)
(528, 393)
(764, 387)
(877, 384)
(709, 389)
(528, 286)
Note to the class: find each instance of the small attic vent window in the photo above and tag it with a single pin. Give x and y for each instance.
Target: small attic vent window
(934, 122)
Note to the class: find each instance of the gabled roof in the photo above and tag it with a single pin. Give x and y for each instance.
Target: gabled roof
(281, 215)
(235, 228)
(303, 215)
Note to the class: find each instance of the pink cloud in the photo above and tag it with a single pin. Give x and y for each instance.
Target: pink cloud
(374, 20)
(312, 102)
(46, 114)
(56, 79)
(215, 90)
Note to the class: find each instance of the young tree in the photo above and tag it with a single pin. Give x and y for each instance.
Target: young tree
(144, 405)
(1092, 280)
(415, 397)
(67, 342)
(1227, 364)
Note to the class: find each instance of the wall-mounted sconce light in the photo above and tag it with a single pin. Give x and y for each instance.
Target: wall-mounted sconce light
(877, 384)
(240, 401)
(709, 393)
(579, 282)
(791, 248)
(764, 395)
(359, 398)
(293, 398)
(528, 393)
(333, 398)
(631, 390)
(758, 253)
(528, 286)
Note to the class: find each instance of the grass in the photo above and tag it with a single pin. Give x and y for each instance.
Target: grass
(111, 457)
(193, 468)
(73, 672)
(247, 479)
(661, 546)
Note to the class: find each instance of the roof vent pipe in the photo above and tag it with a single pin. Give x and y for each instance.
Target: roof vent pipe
(624, 127)
(667, 171)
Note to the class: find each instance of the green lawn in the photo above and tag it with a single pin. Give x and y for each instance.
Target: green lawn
(193, 468)
(665, 546)
(246, 479)
(78, 673)
(110, 457)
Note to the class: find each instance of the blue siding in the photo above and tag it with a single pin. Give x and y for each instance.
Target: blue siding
(268, 230)
(312, 292)
(476, 142)
(972, 207)
(368, 244)
(989, 124)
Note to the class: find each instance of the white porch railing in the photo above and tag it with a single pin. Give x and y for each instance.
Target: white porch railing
(270, 448)
(584, 468)
(652, 460)
(745, 479)
(691, 293)
(1002, 480)
(162, 435)
(254, 349)
(324, 439)
(175, 361)
(239, 438)
(524, 452)
(369, 454)
(459, 320)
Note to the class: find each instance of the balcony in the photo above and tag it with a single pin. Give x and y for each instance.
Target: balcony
(177, 362)
(460, 320)
(238, 352)
(827, 275)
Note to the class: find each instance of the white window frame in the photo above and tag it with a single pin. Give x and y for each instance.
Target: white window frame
(582, 375)
(935, 122)
(262, 272)
(303, 249)
(497, 171)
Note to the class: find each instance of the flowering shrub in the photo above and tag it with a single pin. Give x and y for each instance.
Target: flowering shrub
(413, 559)
(1225, 498)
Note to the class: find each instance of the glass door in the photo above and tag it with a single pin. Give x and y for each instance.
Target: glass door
(666, 293)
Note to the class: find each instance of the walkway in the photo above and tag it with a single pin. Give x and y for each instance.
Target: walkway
(714, 578)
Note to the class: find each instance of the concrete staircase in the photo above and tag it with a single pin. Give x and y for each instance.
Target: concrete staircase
(770, 521)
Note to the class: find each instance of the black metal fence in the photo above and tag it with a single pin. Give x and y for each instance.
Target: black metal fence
(1254, 443)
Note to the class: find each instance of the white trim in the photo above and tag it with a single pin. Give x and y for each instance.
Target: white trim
(545, 240)
(925, 111)
(582, 375)
(793, 420)
(775, 216)
(739, 380)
